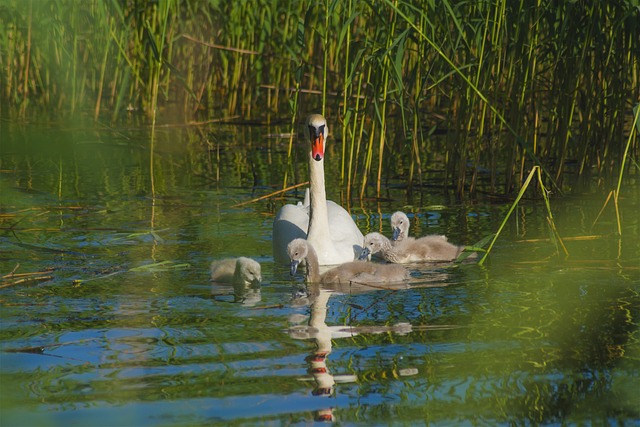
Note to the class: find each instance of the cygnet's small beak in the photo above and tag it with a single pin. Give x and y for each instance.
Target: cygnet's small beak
(294, 267)
(364, 254)
(396, 234)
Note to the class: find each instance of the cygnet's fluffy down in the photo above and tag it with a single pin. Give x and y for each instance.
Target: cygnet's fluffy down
(400, 227)
(428, 248)
(237, 271)
(355, 271)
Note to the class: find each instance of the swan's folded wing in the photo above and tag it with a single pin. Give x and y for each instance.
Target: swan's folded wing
(291, 222)
(345, 234)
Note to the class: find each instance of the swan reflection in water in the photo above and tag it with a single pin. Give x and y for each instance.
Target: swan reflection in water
(317, 297)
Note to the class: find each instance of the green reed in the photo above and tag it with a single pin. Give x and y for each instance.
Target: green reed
(483, 91)
(557, 240)
(614, 194)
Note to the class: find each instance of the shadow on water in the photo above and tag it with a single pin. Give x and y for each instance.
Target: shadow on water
(107, 312)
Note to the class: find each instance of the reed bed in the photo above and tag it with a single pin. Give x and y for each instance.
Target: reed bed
(476, 94)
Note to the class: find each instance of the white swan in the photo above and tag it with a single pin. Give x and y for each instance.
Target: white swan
(325, 224)
(428, 248)
(400, 227)
(355, 271)
(236, 271)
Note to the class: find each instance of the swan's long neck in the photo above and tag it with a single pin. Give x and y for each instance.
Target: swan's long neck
(318, 233)
(313, 268)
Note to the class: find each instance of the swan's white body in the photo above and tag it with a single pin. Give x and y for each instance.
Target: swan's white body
(325, 224)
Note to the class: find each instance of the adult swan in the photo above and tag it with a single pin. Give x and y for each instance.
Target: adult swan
(325, 224)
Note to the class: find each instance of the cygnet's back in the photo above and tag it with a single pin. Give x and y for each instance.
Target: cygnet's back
(428, 248)
(365, 272)
(237, 271)
(355, 271)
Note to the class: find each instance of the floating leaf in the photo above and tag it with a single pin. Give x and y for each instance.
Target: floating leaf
(161, 266)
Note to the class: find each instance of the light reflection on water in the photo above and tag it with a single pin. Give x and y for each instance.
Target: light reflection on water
(530, 338)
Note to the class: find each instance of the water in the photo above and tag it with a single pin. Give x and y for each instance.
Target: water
(122, 327)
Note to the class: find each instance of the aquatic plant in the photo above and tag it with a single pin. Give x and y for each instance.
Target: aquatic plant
(480, 91)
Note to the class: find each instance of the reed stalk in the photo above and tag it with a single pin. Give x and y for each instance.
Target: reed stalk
(509, 85)
(535, 172)
(346, 114)
(614, 194)
(27, 63)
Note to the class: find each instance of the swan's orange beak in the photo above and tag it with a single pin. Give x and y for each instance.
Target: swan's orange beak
(317, 145)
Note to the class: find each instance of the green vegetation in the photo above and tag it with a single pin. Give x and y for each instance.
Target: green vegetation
(482, 91)
(556, 236)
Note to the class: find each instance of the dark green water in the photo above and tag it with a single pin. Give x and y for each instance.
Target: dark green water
(122, 326)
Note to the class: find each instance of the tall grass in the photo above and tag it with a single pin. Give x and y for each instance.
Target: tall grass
(475, 93)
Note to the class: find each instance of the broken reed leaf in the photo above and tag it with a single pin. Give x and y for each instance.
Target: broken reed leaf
(13, 278)
(153, 233)
(40, 349)
(161, 266)
(46, 249)
(266, 196)
(13, 274)
(267, 307)
(35, 350)
(482, 242)
(574, 238)
(468, 252)
(27, 280)
(156, 237)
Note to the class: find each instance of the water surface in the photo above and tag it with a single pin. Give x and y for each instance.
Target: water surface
(121, 326)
